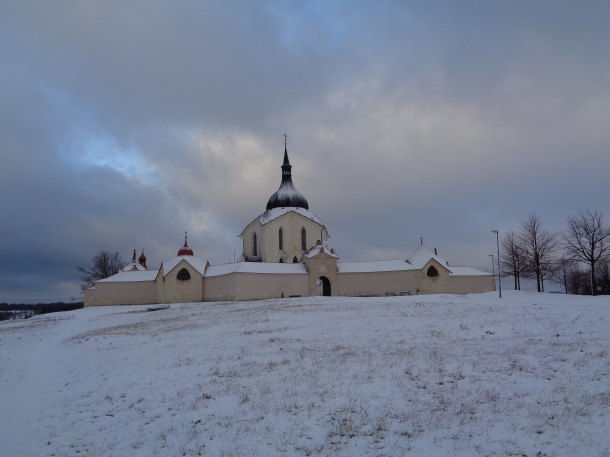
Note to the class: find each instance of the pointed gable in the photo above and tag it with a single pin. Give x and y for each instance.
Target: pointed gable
(197, 263)
(422, 257)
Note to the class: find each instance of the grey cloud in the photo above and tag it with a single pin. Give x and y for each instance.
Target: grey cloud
(404, 120)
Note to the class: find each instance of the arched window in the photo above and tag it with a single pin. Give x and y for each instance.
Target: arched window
(183, 275)
(281, 239)
(295, 260)
(254, 246)
(303, 239)
(281, 260)
(432, 272)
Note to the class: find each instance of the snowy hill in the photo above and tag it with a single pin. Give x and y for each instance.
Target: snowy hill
(425, 375)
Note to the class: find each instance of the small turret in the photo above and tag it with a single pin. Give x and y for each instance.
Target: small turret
(184, 250)
(142, 259)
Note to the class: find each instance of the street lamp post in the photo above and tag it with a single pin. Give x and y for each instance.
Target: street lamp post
(499, 276)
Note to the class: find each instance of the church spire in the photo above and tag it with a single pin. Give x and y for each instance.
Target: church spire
(287, 195)
(286, 167)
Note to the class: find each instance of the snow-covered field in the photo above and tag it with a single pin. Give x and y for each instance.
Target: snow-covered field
(426, 375)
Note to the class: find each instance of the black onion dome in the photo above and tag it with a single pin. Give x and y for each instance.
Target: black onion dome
(287, 195)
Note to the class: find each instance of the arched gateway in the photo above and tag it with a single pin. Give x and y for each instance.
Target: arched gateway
(325, 286)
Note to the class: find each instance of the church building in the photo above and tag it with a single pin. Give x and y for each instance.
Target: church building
(285, 254)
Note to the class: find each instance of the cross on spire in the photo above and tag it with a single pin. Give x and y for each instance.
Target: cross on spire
(285, 139)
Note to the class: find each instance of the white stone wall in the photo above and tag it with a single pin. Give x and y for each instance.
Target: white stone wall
(177, 291)
(379, 283)
(268, 237)
(122, 293)
(220, 288)
(255, 286)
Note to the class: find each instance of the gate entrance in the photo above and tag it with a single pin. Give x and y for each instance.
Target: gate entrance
(325, 286)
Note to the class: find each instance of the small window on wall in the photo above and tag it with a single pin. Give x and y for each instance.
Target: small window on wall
(432, 272)
(303, 239)
(254, 245)
(295, 260)
(183, 275)
(281, 239)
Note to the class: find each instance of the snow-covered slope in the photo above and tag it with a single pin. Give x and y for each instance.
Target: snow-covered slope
(423, 375)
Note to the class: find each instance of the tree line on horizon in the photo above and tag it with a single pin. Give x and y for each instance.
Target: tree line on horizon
(578, 258)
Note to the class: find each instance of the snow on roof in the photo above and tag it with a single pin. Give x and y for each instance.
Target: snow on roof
(467, 271)
(374, 266)
(132, 276)
(256, 267)
(272, 214)
(421, 257)
(197, 263)
(316, 249)
(133, 267)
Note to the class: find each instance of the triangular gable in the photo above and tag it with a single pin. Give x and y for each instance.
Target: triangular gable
(319, 252)
(436, 264)
(257, 218)
(422, 255)
(275, 213)
(199, 264)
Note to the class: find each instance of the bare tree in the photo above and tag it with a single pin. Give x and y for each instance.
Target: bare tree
(565, 272)
(538, 246)
(577, 281)
(103, 265)
(512, 258)
(603, 277)
(586, 241)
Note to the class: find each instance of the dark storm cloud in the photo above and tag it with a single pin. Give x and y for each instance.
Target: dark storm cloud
(123, 124)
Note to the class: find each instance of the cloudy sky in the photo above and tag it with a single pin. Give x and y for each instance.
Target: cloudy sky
(123, 124)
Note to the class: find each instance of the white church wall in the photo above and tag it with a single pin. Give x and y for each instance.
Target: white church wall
(379, 283)
(123, 293)
(248, 243)
(219, 288)
(470, 284)
(177, 291)
(291, 224)
(257, 286)
(434, 284)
